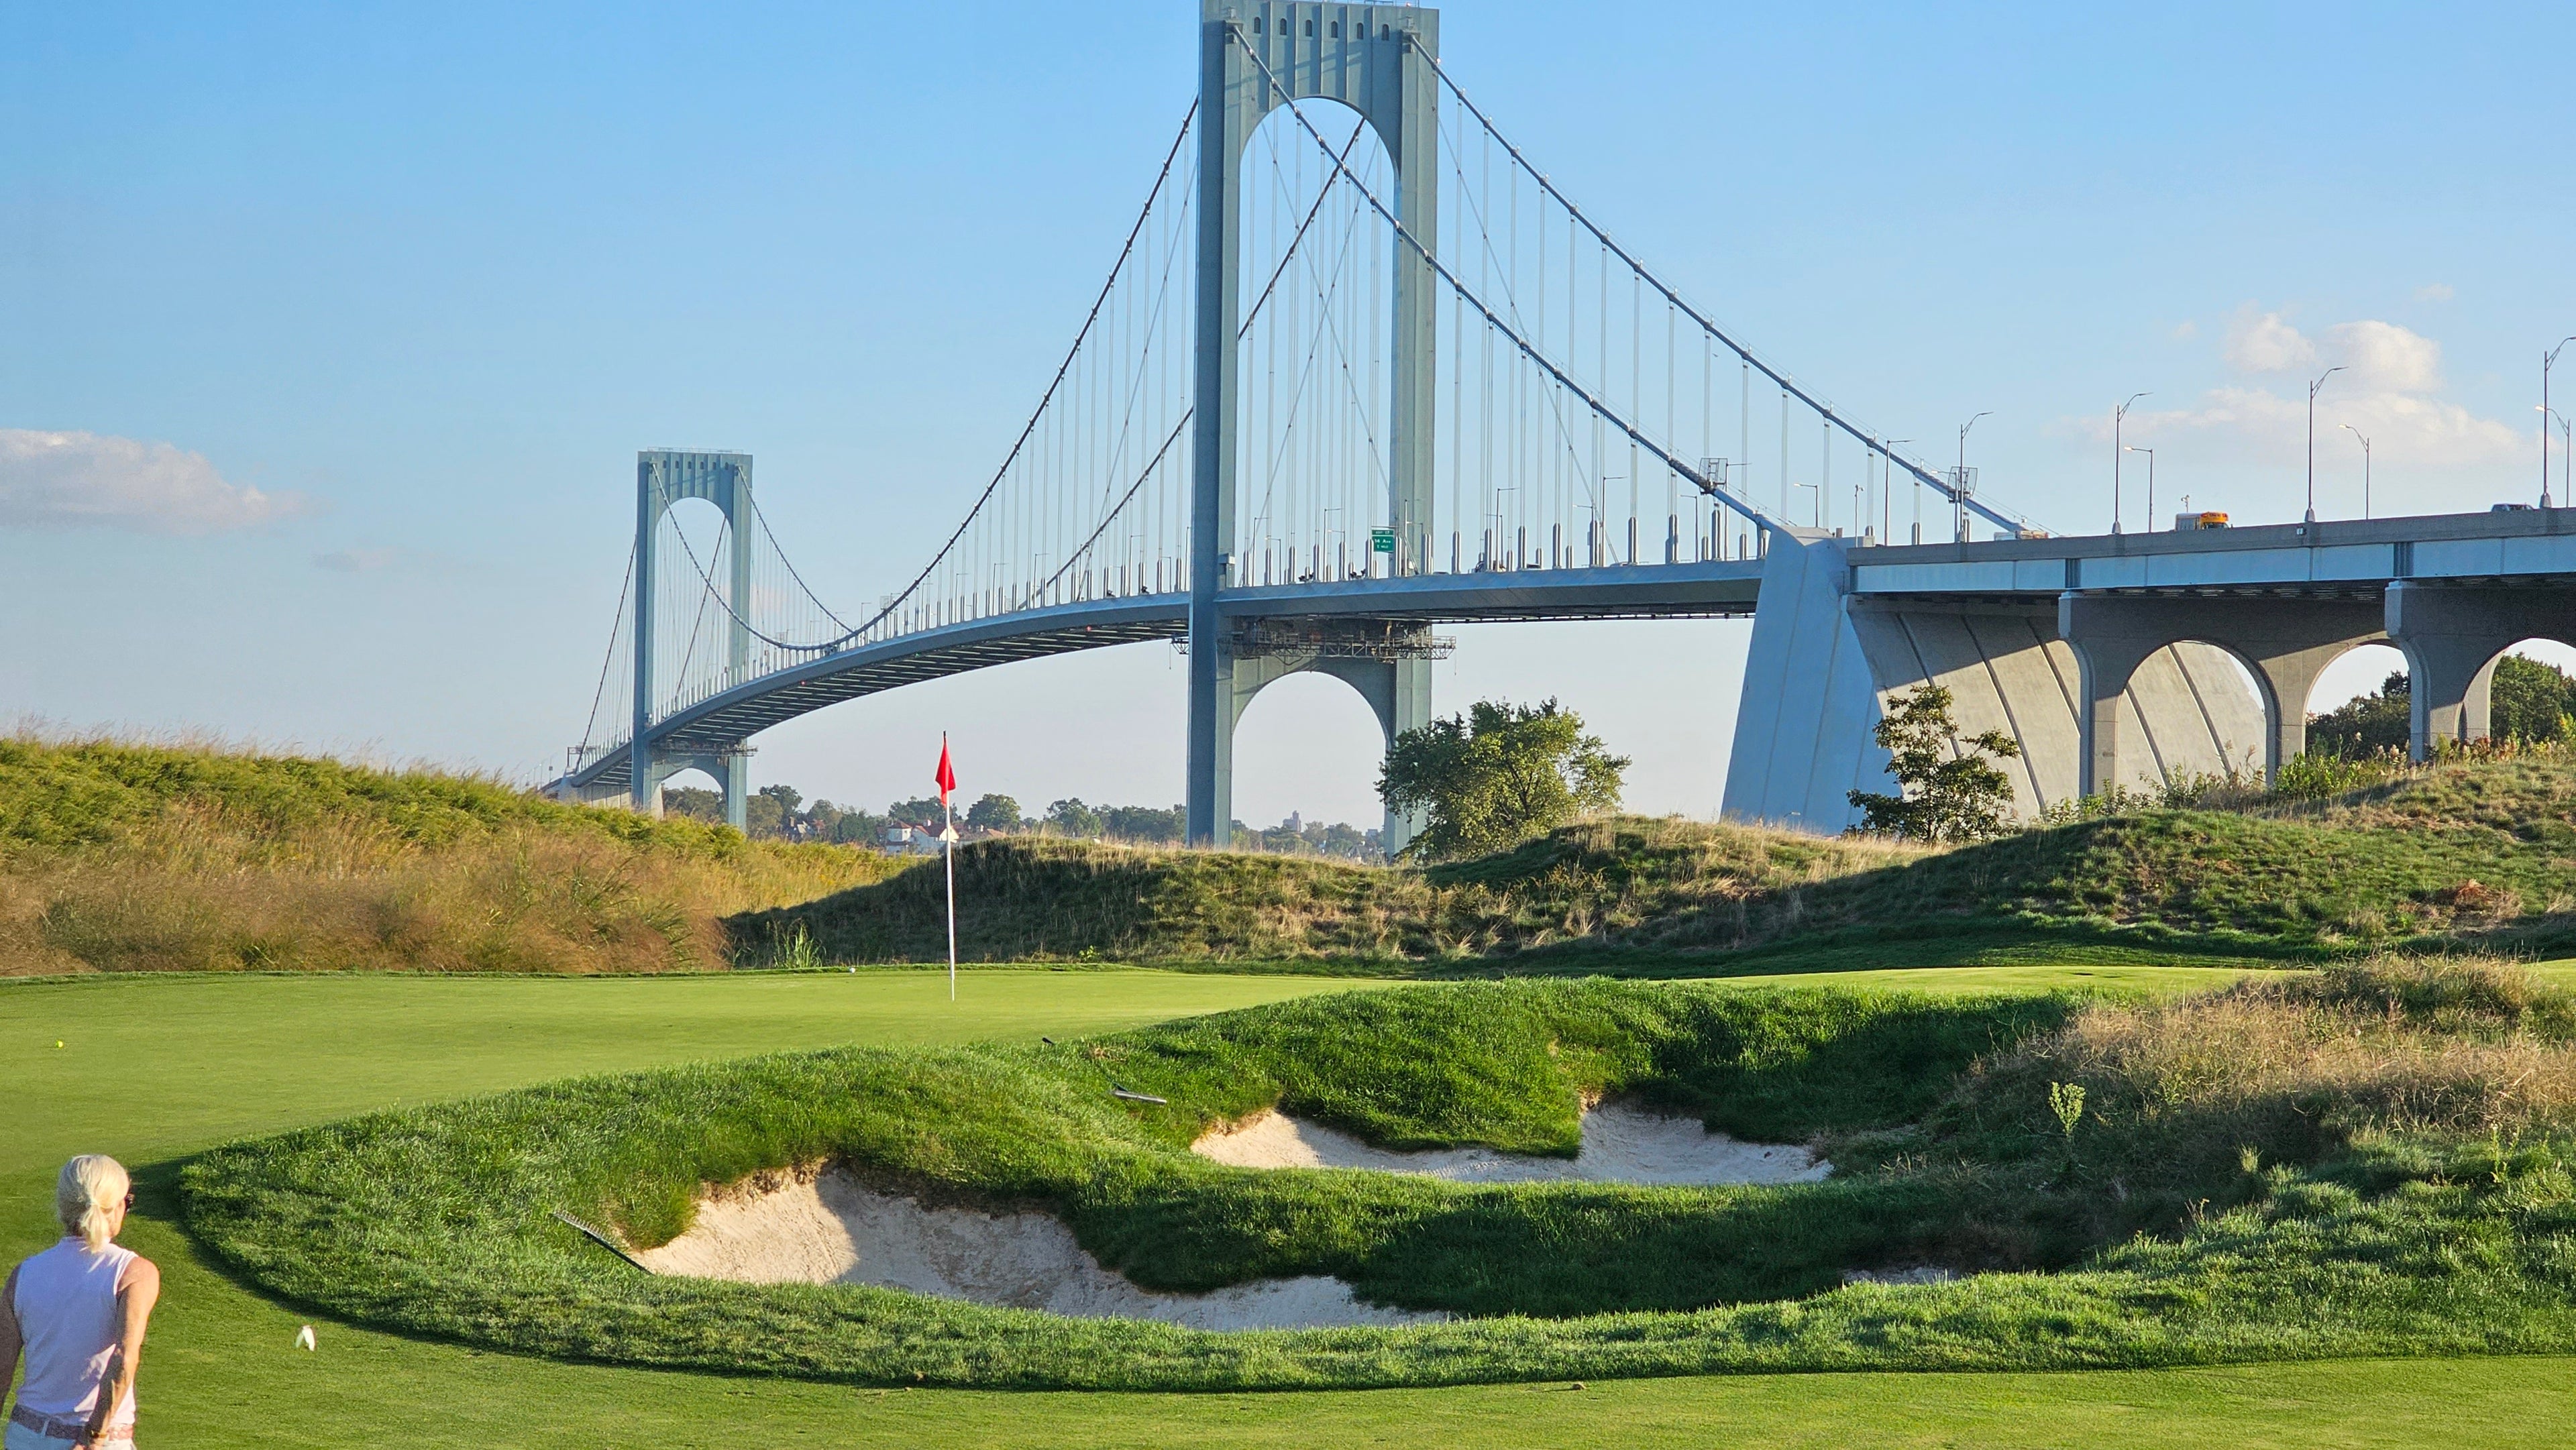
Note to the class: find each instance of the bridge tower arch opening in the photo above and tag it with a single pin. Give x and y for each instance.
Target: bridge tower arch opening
(2523, 704)
(2358, 705)
(664, 478)
(1320, 717)
(1256, 57)
(2454, 636)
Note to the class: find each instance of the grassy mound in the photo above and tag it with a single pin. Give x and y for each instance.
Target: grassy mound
(2362, 1163)
(2476, 852)
(120, 857)
(1657, 884)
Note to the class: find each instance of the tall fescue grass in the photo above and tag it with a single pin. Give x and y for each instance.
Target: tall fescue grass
(122, 857)
(2186, 1100)
(1659, 884)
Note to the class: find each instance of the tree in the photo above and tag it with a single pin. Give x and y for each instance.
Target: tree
(1496, 776)
(919, 811)
(1144, 824)
(994, 813)
(695, 802)
(857, 828)
(1071, 817)
(1947, 789)
(2528, 700)
(2365, 725)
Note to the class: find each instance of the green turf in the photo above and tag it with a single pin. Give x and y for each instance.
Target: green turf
(171, 1064)
(437, 1220)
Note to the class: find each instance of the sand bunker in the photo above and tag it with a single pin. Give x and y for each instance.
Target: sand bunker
(1621, 1144)
(830, 1229)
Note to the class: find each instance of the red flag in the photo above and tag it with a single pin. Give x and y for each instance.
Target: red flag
(947, 776)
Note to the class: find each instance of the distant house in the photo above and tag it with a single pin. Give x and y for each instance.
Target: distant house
(911, 841)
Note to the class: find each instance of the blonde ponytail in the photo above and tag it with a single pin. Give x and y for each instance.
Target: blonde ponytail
(91, 1188)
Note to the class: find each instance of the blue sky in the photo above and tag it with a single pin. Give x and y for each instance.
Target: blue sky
(367, 310)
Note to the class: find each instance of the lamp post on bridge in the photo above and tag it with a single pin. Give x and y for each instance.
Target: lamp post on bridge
(1820, 502)
(2117, 414)
(2312, 439)
(2151, 483)
(2546, 359)
(1959, 483)
(2365, 467)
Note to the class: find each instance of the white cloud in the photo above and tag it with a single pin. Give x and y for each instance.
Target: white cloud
(2389, 390)
(2272, 428)
(2378, 354)
(2385, 357)
(2435, 292)
(2267, 343)
(2186, 330)
(69, 480)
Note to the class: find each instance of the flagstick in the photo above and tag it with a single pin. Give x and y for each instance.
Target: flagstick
(950, 852)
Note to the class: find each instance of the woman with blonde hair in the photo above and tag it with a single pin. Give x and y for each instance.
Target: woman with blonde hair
(76, 1312)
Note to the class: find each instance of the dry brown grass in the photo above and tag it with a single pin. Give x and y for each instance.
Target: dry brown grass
(2292, 1067)
(121, 858)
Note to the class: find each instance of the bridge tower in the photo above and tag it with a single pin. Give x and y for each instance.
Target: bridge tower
(1377, 60)
(663, 477)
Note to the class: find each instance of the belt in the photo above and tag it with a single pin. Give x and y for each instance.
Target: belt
(73, 1429)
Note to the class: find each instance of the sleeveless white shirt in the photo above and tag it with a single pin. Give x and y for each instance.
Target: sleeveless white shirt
(67, 1315)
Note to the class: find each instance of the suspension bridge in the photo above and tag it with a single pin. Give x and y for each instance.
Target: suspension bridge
(1360, 368)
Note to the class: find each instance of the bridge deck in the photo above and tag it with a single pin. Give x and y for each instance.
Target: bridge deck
(1716, 588)
(2350, 559)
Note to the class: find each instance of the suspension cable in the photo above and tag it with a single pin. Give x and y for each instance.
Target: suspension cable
(599, 695)
(1751, 359)
(1563, 379)
(1031, 427)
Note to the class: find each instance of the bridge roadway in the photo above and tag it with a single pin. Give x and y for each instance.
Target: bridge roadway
(722, 721)
(2107, 657)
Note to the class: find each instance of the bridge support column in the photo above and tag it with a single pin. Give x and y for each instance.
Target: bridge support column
(737, 787)
(663, 477)
(2452, 635)
(2284, 642)
(1377, 60)
(730, 767)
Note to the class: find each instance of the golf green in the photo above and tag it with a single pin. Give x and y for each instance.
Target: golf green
(153, 1068)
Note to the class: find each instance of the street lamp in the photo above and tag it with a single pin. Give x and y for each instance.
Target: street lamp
(2365, 466)
(2151, 483)
(2312, 439)
(2546, 359)
(1820, 502)
(1959, 481)
(2117, 414)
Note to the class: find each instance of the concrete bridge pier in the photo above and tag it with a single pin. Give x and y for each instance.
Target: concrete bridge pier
(1823, 662)
(2284, 642)
(730, 767)
(2452, 636)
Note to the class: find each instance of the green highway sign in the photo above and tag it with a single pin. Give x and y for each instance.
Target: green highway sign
(1381, 541)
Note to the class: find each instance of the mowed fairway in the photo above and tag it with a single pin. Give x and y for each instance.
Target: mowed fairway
(154, 1068)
